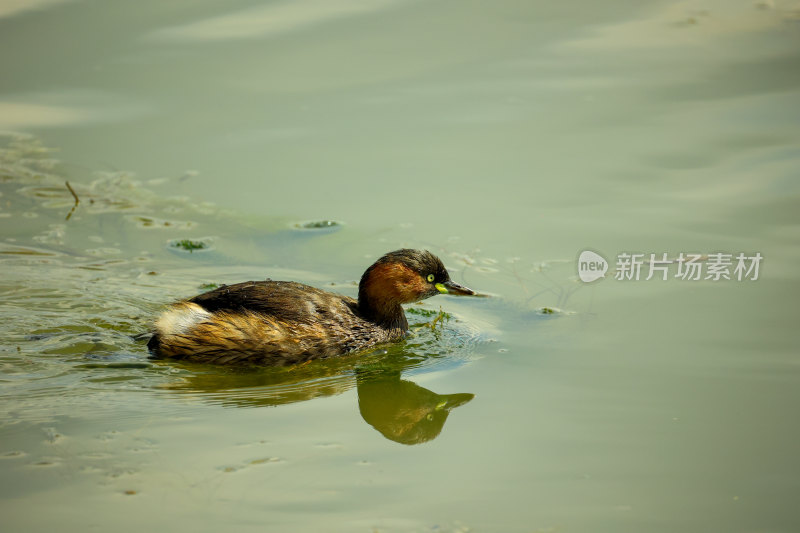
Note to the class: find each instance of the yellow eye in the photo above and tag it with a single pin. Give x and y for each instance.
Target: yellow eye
(431, 277)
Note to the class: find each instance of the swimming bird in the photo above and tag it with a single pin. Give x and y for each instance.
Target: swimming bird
(283, 323)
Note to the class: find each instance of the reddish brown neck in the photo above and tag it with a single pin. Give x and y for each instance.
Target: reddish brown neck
(383, 288)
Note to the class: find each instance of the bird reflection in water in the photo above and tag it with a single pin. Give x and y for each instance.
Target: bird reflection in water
(403, 411)
(399, 409)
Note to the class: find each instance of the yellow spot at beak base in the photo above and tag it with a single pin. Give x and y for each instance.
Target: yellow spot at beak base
(441, 288)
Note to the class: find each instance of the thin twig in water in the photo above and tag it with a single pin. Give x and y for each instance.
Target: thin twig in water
(519, 279)
(438, 318)
(77, 200)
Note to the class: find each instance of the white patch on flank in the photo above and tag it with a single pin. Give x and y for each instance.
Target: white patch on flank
(181, 318)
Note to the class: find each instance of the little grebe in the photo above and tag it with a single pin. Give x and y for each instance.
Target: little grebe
(283, 322)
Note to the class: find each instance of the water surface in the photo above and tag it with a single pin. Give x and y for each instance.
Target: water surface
(504, 137)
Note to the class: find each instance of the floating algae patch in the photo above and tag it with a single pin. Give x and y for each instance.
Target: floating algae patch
(158, 223)
(437, 317)
(331, 225)
(191, 245)
(553, 311)
(427, 313)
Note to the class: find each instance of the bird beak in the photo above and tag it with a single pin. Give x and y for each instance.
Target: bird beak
(450, 287)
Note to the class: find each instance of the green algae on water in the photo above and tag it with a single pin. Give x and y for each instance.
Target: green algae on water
(428, 313)
(318, 224)
(439, 317)
(189, 245)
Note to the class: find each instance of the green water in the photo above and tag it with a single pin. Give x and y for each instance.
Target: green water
(507, 138)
